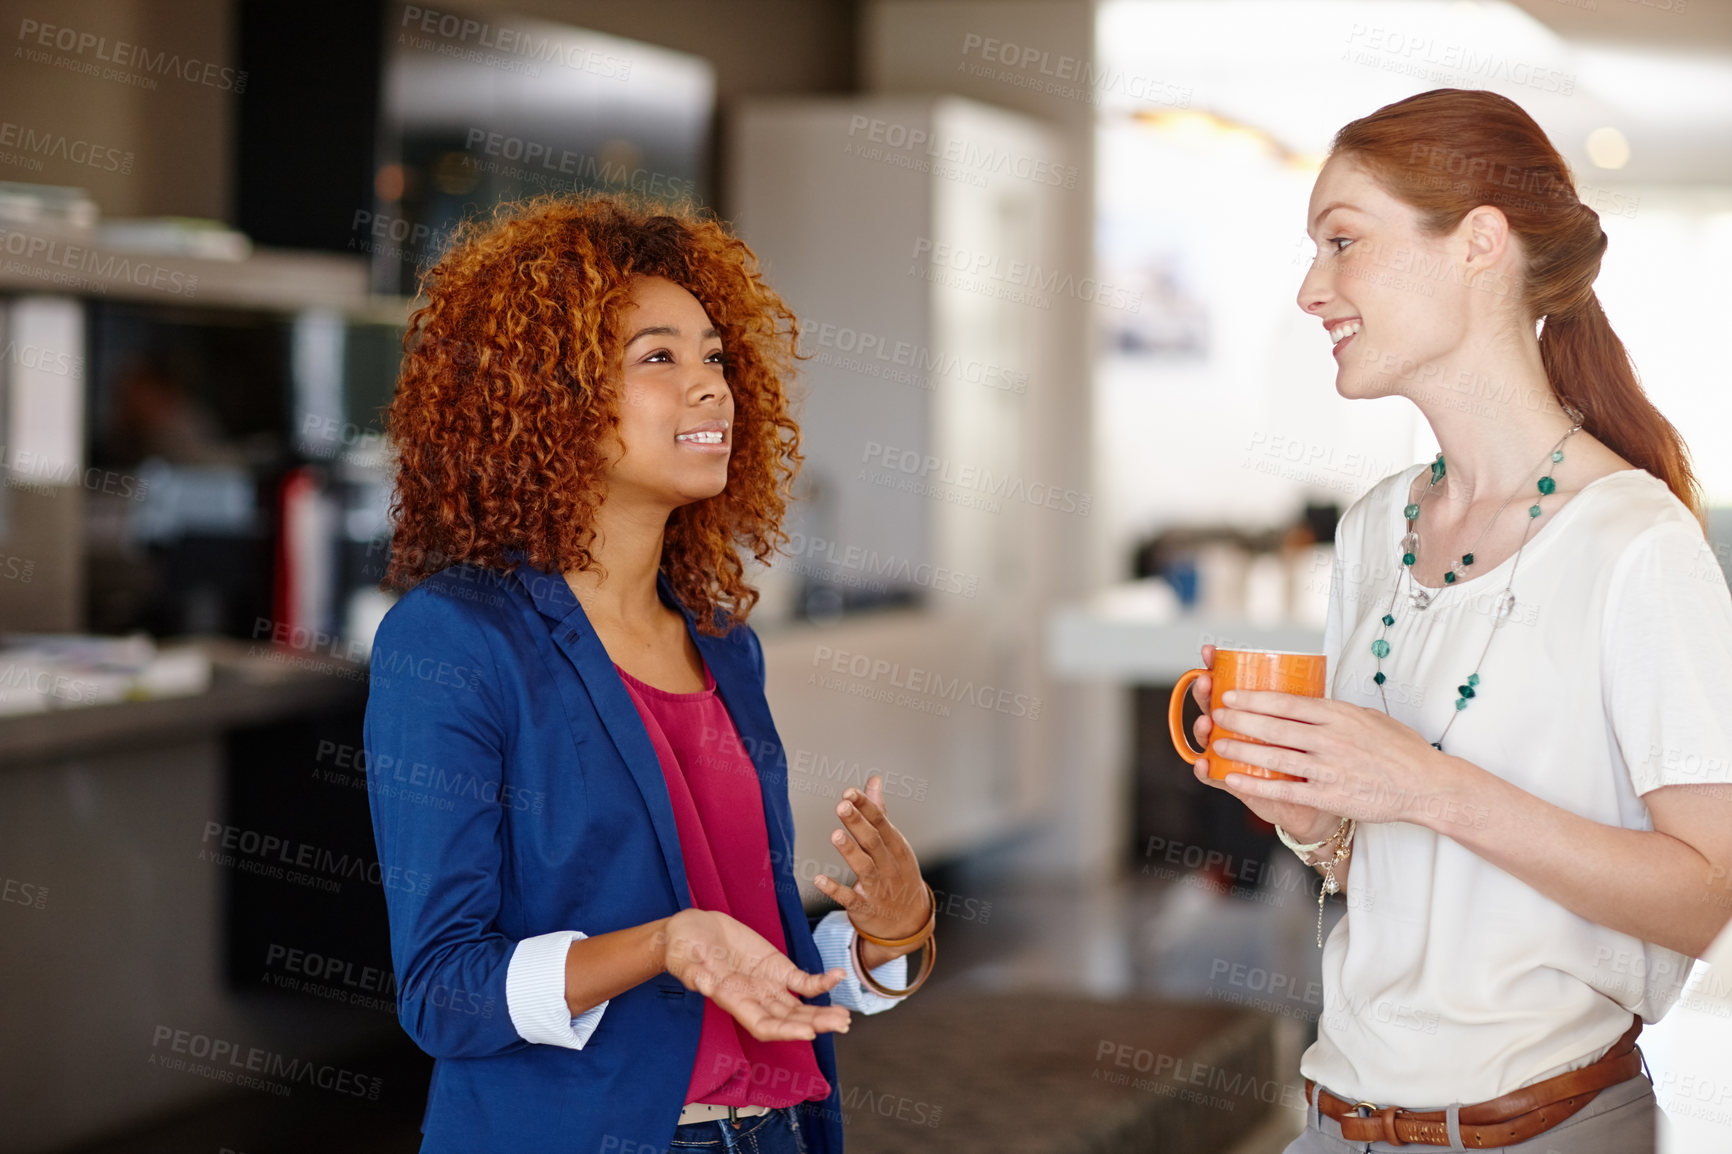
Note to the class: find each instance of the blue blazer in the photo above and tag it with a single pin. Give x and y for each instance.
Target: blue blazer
(515, 792)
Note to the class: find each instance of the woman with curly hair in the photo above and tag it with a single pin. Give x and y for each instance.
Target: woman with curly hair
(1522, 775)
(579, 797)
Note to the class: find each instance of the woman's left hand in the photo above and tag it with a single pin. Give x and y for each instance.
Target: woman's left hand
(888, 898)
(1357, 762)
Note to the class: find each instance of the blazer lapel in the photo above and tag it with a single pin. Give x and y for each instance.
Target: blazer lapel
(571, 632)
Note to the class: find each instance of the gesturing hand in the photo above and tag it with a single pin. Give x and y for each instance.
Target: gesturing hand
(732, 965)
(888, 898)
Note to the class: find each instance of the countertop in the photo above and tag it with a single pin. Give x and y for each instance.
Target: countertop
(250, 685)
(1130, 636)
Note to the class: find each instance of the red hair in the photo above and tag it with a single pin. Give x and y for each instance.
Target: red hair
(1449, 151)
(509, 391)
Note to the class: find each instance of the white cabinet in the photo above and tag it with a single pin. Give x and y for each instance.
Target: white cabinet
(912, 236)
(914, 239)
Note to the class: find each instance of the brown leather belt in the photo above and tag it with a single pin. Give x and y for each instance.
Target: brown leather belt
(1515, 1117)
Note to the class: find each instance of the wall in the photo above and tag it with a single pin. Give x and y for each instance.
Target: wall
(169, 135)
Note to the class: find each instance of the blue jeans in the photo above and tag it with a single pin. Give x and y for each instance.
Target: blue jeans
(777, 1132)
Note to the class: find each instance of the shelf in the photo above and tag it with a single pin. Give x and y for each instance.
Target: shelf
(69, 263)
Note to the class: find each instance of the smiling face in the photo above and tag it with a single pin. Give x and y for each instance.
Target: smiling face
(1396, 301)
(676, 413)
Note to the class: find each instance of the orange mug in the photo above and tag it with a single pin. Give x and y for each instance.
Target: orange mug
(1301, 673)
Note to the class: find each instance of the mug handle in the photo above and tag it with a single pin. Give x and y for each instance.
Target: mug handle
(1176, 717)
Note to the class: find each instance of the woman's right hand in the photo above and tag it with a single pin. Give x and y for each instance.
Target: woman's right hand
(735, 967)
(1304, 823)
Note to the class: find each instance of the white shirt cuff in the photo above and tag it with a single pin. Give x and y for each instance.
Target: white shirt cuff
(535, 993)
(835, 938)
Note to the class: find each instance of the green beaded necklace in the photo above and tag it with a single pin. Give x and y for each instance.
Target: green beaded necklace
(1420, 597)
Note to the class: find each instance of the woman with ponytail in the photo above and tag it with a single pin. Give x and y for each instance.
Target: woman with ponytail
(1522, 772)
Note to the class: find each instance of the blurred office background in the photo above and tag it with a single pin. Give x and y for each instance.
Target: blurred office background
(1063, 425)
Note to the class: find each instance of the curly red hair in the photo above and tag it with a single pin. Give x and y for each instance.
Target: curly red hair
(510, 387)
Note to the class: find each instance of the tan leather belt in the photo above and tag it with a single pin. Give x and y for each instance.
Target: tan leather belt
(1515, 1117)
(696, 1112)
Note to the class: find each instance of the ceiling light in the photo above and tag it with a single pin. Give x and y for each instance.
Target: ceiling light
(1607, 148)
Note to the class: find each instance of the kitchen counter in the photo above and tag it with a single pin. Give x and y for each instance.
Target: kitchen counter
(250, 685)
(1131, 636)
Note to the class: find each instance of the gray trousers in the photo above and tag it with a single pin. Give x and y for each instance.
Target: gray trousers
(1620, 1120)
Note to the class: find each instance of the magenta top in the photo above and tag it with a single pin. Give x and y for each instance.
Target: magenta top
(719, 814)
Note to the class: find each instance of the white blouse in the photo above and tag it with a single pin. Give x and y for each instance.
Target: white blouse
(1449, 980)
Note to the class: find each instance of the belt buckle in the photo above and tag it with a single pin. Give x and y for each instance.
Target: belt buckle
(1387, 1115)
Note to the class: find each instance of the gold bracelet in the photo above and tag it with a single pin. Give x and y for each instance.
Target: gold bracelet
(928, 955)
(1329, 886)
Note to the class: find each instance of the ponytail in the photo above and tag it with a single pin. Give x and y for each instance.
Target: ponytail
(1448, 151)
(1591, 373)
